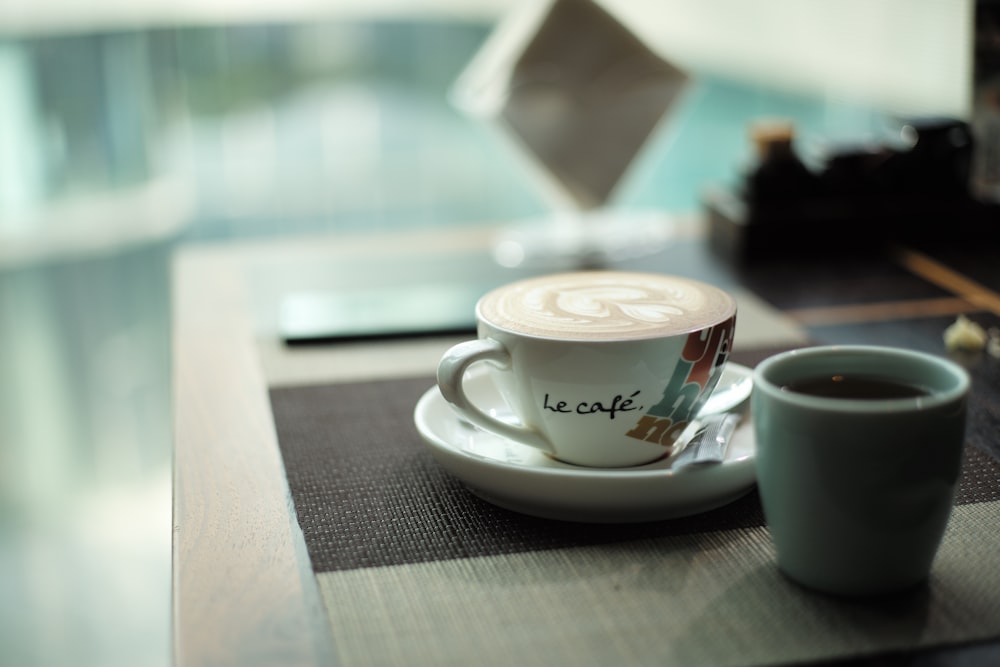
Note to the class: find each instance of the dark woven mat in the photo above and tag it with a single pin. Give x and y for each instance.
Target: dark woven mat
(368, 494)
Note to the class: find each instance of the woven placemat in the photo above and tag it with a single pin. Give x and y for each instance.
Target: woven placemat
(367, 493)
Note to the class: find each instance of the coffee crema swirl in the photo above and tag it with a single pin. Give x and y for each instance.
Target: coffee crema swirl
(605, 305)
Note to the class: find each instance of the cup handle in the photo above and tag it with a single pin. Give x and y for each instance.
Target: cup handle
(450, 373)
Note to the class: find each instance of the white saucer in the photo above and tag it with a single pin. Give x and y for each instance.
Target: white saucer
(522, 479)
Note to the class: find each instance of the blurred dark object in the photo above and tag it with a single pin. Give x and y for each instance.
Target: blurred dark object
(859, 201)
(986, 101)
(399, 311)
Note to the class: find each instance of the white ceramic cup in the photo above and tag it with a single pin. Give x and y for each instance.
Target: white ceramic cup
(602, 368)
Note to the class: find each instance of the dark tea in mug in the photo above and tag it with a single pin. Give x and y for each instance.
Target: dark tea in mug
(854, 387)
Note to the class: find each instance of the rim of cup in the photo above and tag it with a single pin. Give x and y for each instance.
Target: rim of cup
(946, 381)
(665, 331)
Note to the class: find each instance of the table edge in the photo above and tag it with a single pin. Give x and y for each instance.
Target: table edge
(242, 590)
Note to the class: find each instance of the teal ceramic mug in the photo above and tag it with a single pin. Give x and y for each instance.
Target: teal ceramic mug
(859, 451)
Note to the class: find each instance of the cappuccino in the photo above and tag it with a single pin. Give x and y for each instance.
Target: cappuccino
(605, 305)
(602, 369)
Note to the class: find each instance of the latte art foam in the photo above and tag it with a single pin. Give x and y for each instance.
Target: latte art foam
(605, 304)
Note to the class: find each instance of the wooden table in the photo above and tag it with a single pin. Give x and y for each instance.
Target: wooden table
(244, 592)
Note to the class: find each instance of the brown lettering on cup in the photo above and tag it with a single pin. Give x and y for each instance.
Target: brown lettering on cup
(703, 352)
(653, 429)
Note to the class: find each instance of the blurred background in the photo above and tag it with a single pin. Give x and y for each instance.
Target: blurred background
(129, 129)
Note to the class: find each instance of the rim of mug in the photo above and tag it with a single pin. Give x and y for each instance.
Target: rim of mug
(937, 397)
